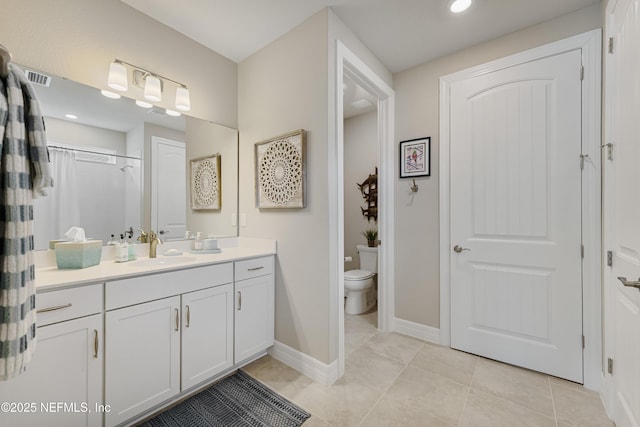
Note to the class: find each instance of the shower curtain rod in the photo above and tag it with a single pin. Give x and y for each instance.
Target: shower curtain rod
(93, 152)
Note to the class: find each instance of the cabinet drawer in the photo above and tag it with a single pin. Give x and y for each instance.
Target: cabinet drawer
(122, 293)
(253, 268)
(57, 306)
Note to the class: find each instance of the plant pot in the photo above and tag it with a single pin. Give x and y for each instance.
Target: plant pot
(371, 243)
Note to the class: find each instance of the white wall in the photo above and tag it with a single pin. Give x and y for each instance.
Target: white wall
(78, 39)
(360, 160)
(417, 214)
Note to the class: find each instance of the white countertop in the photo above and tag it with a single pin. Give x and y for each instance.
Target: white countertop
(51, 278)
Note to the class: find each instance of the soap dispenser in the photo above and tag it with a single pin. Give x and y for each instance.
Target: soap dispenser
(122, 250)
(132, 249)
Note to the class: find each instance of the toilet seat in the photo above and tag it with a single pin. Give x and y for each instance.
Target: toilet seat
(357, 275)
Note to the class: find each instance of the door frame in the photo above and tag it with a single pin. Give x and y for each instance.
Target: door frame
(349, 63)
(590, 45)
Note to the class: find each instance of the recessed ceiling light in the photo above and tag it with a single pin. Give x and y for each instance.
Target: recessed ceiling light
(110, 94)
(71, 116)
(143, 104)
(458, 6)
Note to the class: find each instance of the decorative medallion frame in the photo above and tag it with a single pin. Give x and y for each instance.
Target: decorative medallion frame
(206, 183)
(281, 171)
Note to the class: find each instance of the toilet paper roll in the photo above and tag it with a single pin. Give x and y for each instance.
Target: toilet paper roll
(348, 259)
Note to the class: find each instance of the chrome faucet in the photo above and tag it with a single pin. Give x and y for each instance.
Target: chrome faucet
(154, 240)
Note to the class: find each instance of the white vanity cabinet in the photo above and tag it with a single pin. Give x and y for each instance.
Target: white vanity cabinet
(254, 307)
(165, 333)
(63, 382)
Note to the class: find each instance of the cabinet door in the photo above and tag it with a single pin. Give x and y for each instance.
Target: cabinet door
(253, 316)
(142, 362)
(207, 334)
(63, 382)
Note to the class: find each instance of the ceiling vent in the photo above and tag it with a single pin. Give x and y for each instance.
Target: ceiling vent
(38, 78)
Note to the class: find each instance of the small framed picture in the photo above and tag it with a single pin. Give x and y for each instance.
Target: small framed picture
(415, 157)
(205, 183)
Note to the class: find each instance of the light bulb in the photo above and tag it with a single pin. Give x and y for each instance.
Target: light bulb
(118, 77)
(152, 88)
(183, 101)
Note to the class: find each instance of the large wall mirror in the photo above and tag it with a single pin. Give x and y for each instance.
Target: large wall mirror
(118, 166)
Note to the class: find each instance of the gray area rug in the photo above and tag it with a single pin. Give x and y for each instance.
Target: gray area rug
(237, 400)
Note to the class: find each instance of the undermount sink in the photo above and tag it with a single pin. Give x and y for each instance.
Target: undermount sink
(150, 262)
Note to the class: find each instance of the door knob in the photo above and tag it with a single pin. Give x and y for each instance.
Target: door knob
(630, 283)
(162, 231)
(457, 249)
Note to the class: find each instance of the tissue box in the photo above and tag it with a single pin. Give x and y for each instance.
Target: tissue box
(78, 254)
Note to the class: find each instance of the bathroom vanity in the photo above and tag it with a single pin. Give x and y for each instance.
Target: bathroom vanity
(118, 342)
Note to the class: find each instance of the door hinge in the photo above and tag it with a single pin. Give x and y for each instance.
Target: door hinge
(583, 341)
(582, 157)
(610, 365)
(582, 251)
(609, 258)
(610, 44)
(609, 147)
(582, 72)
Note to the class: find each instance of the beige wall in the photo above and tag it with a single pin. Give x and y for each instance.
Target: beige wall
(417, 285)
(283, 87)
(78, 39)
(360, 160)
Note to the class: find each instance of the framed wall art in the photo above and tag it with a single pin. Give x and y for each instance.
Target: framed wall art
(280, 171)
(415, 157)
(206, 183)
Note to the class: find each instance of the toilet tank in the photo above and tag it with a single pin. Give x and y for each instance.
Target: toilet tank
(368, 258)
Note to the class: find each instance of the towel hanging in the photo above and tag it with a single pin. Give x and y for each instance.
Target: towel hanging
(24, 166)
(5, 58)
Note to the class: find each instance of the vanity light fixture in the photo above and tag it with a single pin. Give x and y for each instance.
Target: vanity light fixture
(172, 113)
(458, 6)
(152, 83)
(152, 88)
(118, 76)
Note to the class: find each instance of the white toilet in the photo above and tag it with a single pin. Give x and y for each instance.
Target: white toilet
(359, 285)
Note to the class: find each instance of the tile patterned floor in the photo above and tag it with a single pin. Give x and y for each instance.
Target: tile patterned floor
(394, 380)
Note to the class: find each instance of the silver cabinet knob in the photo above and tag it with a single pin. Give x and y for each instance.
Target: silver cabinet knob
(457, 249)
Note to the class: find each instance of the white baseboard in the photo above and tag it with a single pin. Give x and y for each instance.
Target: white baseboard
(305, 364)
(416, 330)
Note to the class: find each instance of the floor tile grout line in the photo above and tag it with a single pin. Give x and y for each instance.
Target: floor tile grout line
(384, 393)
(553, 401)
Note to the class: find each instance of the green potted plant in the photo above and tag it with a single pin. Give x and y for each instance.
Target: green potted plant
(372, 236)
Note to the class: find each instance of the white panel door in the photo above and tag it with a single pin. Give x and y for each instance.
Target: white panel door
(207, 334)
(168, 188)
(622, 209)
(516, 215)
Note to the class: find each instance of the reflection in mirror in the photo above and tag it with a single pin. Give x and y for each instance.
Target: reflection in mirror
(101, 155)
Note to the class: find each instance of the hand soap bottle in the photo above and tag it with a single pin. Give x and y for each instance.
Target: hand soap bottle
(132, 249)
(122, 250)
